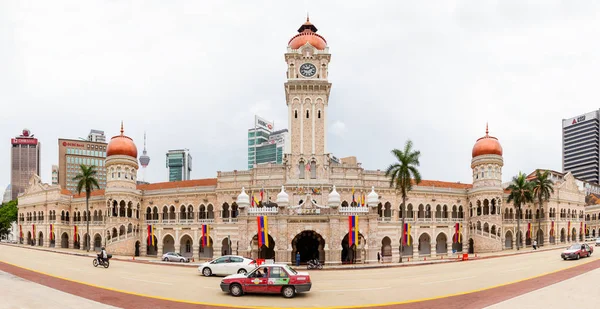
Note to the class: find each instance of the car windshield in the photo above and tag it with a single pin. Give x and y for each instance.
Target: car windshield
(291, 270)
(575, 247)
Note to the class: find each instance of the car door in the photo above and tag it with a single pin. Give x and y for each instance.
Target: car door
(169, 256)
(257, 281)
(218, 266)
(278, 277)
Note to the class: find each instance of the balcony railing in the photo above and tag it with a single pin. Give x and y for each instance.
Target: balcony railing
(206, 221)
(263, 210)
(351, 209)
(230, 220)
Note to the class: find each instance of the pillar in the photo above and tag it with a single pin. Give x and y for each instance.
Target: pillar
(195, 251)
(432, 249)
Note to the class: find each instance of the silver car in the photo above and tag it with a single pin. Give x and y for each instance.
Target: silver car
(174, 257)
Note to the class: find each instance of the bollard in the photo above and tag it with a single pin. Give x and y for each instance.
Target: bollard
(424, 258)
(133, 258)
(408, 259)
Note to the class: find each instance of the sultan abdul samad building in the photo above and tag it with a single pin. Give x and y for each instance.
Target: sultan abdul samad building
(308, 199)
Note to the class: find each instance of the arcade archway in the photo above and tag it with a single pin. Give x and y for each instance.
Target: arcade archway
(310, 245)
(264, 252)
(508, 240)
(64, 240)
(40, 239)
(168, 244)
(97, 242)
(354, 254)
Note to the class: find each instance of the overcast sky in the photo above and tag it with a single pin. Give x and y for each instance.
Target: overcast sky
(193, 74)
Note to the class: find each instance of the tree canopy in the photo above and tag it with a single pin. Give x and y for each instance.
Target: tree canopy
(8, 215)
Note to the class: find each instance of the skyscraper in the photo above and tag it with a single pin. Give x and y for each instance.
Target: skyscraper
(179, 163)
(256, 137)
(96, 136)
(581, 146)
(73, 153)
(54, 174)
(266, 145)
(25, 161)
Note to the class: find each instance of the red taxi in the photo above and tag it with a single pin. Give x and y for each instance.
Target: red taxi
(268, 279)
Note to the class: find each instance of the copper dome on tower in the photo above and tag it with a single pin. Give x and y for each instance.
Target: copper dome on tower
(487, 145)
(307, 34)
(121, 145)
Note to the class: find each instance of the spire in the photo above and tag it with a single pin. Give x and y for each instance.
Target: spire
(486, 129)
(307, 18)
(122, 131)
(144, 141)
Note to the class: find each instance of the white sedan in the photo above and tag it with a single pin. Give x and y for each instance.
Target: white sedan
(227, 265)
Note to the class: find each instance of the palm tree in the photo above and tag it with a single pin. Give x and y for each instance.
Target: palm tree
(520, 194)
(401, 174)
(542, 189)
(87, 182)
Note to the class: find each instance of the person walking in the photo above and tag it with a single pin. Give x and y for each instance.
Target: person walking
(297, 258)
(535, 245)
(378, 257)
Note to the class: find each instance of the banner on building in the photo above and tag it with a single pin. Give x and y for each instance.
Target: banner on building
(205, 235)
(263, 230)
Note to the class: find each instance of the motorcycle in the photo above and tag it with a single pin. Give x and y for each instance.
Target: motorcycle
(314, 264)
(97, 261)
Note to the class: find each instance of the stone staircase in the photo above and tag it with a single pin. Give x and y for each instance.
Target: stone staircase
(122, 245)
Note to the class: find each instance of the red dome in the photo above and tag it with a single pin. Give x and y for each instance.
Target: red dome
(487, 145)
(307, 34)
(121, 145)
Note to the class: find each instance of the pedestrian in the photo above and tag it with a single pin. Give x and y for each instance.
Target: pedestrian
(378, 257)
(297, 258)
(535, 245)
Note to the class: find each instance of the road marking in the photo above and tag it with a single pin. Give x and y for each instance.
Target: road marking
(449, 280)
(164, 283)
(355, 290)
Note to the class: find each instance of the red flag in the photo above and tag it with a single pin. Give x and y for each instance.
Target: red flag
(261, 194)
(308, 167)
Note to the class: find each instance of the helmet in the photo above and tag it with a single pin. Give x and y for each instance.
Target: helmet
(102, 248)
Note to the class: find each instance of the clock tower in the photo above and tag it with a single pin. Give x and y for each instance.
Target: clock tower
(307, 96)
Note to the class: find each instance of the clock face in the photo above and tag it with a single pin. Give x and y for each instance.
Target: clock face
(308, 70)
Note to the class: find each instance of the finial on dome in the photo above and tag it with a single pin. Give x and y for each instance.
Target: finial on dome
(486, 129)
(122, 131)
(307, 18)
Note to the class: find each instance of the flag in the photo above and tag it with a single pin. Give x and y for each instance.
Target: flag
(587, 229)
(308, 167)
(363, 200)
(353, 200)
(552, 229)
(406, 236)
(21, 231)
(256, 201)
(569, 229)
(75, 233)
(150, 239)
(252, 200)
(263, 231)
(528, 230)
(205, 235)
(459, 235)
(261, 194)
(51, 232)
(457, 232)
(33, 227)
(581, 228)
(352, 230)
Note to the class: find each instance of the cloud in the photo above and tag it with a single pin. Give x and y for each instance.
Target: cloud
(338, 128)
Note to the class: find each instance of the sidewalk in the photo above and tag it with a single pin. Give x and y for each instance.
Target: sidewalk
(407, 262)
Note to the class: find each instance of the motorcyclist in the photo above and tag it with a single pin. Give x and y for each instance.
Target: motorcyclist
(103, 255)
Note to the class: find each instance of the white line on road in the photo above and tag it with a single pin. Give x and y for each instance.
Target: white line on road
(449, 280)
(355, 290)
(157, 282)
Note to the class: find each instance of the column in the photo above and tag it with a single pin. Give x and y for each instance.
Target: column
(432, 249)
(449, 249)
(195, 251)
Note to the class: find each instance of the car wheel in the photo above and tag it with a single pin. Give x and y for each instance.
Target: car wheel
(206, 272)
(288, 291)
(236, 290)
(577, 258)
(166, 259)
(182, 260)
(565, 258)
(242, 271)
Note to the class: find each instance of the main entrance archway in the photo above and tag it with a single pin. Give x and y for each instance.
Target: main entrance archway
(264, 252)
(310, 245)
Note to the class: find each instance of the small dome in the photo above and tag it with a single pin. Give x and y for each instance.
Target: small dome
(243, 199)
(283, 198)
(121, 145)
(373, 198)
(307, 34)
(334, 199)
(487, 145)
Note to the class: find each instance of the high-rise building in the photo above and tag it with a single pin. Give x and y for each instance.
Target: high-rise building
(73, 153)
(581, 146)
(258, 136)
(7, 195)
(54, 174)
(25, 161)
(96, 136)
(179, 163)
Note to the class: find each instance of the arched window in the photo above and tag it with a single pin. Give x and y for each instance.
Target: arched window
(307, 114)
(296, 114)
(301, 167)
(313, 170)
(319, 114)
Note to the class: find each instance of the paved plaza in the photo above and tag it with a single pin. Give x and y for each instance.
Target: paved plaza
(340, 288)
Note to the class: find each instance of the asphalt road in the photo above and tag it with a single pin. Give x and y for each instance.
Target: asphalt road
(330, 288)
